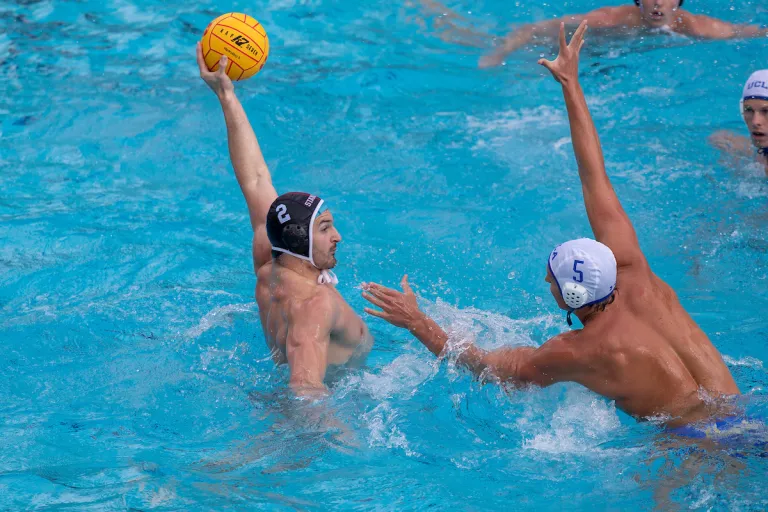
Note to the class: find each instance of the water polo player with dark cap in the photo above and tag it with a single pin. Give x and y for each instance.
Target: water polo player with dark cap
(306, 322)
(650, 14)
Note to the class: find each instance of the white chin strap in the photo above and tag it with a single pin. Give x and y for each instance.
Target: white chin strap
(575, 295)
(327, 277)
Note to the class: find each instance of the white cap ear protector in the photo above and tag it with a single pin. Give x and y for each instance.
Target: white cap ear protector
(574, 295)
(585, 272)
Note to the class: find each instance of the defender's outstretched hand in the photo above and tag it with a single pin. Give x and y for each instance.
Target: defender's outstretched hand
(217, 80)
(399, 309)
(565, 67)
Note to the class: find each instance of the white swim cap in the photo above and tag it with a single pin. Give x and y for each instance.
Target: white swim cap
(584, 270)
(756, 87)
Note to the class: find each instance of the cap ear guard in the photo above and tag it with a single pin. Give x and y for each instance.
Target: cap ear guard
(575, 295)
(295, 237)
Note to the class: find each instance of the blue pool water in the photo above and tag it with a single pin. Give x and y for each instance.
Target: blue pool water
(134, 370)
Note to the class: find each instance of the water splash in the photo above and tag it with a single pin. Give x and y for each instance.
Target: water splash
(578, 426)
(218, 317)
(384, 431)
(748, 361)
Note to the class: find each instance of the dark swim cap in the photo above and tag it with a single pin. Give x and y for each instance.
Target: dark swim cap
(289, 224)
(637, 2)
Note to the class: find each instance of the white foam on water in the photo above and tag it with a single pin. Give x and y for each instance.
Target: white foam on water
(751, 362)
(157, 50)
(601, 106)
(500, 330)
(218, 317)
(558, 145)
(655, 92)
(506, 123)
(67, 155)
(42, 11)
(384, 432)
(750, 189)
(706, 497)
(121, 40)
(578, 426)
(203, 291)
(163, 496)
(401, 377)
(131, 13)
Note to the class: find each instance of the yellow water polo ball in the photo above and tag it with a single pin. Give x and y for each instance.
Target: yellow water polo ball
(242, 39)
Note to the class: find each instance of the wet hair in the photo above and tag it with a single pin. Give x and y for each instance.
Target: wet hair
(597, 306)
(600, 306)
(637, 2)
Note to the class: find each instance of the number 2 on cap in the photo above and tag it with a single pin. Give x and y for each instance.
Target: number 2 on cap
(580, 277)
(282, 213)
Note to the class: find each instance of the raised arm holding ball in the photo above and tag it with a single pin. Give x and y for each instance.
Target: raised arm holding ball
(306, 322)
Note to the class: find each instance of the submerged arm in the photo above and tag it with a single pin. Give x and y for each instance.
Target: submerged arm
(713, 28)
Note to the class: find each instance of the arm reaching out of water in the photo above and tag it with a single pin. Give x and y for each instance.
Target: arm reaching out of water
(555, 361)
(447, 24)
(729, 142)
(626, 16)
(605, 17)
(610, 224)
(250, 168)
(712, 28)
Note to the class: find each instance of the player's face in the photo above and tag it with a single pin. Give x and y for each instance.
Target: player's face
(756, 116)
(658, 13)
(555, 291)
(325, 238)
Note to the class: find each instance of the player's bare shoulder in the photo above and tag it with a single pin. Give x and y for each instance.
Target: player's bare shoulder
(265, 272)
(319, 306)
(686, 23)
(571, 341)
(606, 17)
(261, 248)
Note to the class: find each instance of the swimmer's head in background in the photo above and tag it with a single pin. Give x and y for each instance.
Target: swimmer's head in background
(658, 13)
(292, 229)
(581, 273)
(754, 109)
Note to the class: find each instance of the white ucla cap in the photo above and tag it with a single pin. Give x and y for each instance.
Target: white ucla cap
(756, 87)
(584, 270)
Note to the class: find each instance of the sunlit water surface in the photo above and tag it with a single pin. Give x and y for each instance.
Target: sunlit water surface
(134, 369)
